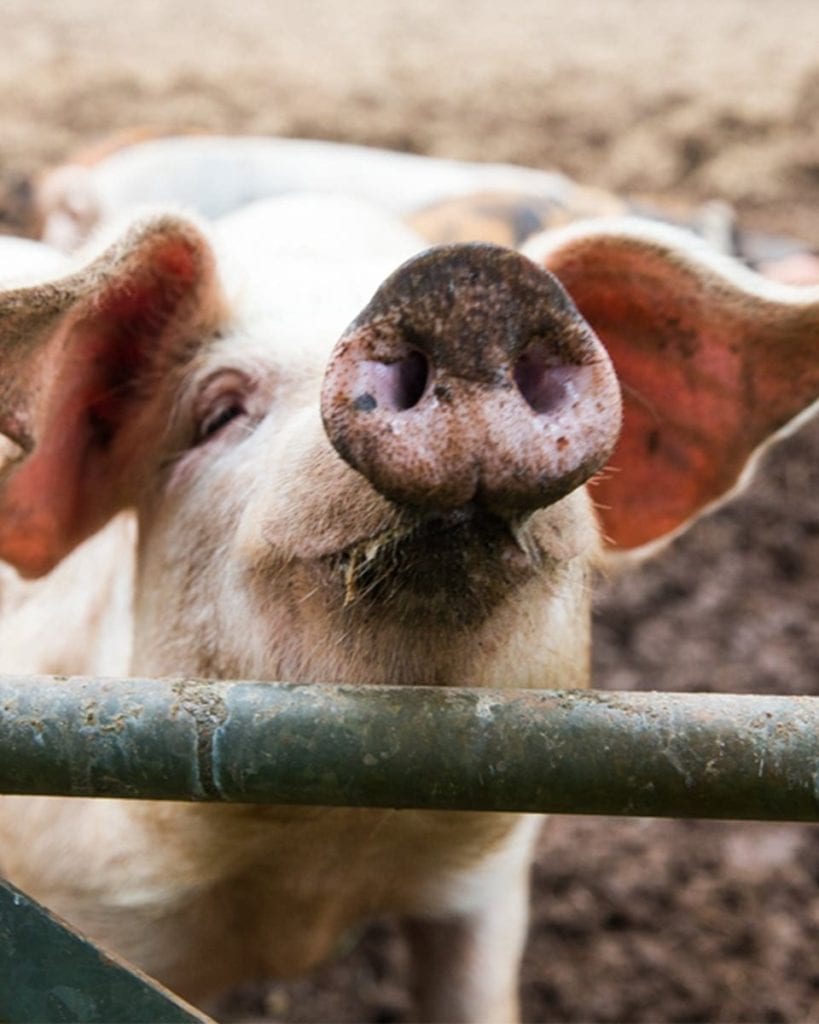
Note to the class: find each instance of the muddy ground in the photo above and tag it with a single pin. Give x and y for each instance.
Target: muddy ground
(632, 920)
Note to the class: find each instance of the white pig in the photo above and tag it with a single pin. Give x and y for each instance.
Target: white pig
(447, 200)
(422, 504)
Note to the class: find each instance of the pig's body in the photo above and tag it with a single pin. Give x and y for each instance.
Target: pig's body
(215, 175)
(206, 896)
(183, 379)
(446, 200)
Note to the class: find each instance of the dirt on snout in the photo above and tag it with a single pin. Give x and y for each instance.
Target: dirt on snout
(677, 103)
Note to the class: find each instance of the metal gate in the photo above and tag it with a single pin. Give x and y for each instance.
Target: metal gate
(575, 752)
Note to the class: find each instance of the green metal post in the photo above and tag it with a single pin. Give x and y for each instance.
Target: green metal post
(48, 972)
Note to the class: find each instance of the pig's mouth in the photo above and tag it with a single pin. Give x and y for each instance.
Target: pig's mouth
(461, 560)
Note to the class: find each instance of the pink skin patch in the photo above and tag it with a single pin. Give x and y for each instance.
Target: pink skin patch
(471, 377)
(711, 363)
(800, 269)
(89, 371)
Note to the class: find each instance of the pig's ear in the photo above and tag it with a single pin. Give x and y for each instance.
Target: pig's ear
(85, 363)
(713, 360)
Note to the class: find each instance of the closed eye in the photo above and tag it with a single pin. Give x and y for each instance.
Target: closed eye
(220, 415)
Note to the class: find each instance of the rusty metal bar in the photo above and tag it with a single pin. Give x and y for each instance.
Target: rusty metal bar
(656, 754)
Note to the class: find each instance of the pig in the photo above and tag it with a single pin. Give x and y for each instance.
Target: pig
(446, 200)
(299, 444)
(218, 174)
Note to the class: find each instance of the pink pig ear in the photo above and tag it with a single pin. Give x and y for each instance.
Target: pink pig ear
(84, 366)
(713, 360)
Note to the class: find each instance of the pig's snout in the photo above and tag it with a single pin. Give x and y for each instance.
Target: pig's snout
(470, 376)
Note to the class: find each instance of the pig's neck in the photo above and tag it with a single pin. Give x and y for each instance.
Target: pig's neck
(538, 637)
(291, 622)
(88, 595)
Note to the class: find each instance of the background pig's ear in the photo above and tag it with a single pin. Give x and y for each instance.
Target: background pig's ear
(85, 363)
(712, 358)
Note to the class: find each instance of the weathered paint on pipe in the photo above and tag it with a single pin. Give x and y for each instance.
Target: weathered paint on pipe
(656, 754)
(49, 972)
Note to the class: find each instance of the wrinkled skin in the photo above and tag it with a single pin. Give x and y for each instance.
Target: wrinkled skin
(263, 555)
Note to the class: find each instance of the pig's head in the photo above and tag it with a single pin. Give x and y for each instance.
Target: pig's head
(410, 506)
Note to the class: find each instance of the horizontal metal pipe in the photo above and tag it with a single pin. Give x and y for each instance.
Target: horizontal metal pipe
(576, 752)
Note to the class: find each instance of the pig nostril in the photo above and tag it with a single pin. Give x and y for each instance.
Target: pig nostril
(542, 385)
(396, 386)
(412, 374)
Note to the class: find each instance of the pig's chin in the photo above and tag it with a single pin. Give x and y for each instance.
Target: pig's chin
(453, 565)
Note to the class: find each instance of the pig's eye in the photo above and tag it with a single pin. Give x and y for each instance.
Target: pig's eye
(222, 400)
(220, 416)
